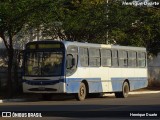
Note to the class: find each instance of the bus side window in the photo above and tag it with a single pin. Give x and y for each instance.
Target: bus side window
(132, 60)
(83, 54)
(71, 60)
(94, 57)
(106, 57)
(123, 58)
(115, 58)
(141, 59)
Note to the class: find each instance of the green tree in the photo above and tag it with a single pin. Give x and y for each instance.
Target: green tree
(135, 25)
(14, 14)
(87, 21)
(80, 20)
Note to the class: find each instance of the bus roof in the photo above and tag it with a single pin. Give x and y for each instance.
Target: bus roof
(86, 44)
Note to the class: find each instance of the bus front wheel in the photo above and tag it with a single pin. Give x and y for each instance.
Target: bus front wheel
(82, 93)
(125, 91)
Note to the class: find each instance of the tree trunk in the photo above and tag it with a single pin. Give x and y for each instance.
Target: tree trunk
(10, 65)
(10, 52)
(9, 80)
(16, 86)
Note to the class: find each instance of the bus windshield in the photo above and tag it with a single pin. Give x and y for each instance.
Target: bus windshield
(43, 63)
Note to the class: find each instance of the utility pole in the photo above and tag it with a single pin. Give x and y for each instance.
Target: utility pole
(107, 11)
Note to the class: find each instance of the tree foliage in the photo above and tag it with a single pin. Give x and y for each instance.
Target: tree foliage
(14, 15)
(77, 20)
(135, 26)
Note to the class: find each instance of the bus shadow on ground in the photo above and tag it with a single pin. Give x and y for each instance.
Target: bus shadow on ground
(68, 97)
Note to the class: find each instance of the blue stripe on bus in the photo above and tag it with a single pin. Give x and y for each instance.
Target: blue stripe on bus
(46, 82)
(95, 84)
(135, 83)
(129, 78)
(73, 84)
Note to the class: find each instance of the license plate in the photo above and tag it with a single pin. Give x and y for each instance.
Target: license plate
(41, 88)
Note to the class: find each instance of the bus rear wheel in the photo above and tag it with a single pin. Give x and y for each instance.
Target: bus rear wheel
(82, 93)
(125, 91)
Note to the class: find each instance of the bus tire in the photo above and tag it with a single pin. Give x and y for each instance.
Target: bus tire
(125, 91)
(82, 93)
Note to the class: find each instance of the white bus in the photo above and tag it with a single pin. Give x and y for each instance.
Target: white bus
(83, 68)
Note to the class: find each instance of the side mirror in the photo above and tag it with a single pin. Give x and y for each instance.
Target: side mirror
(70, 61)
(73, 62)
